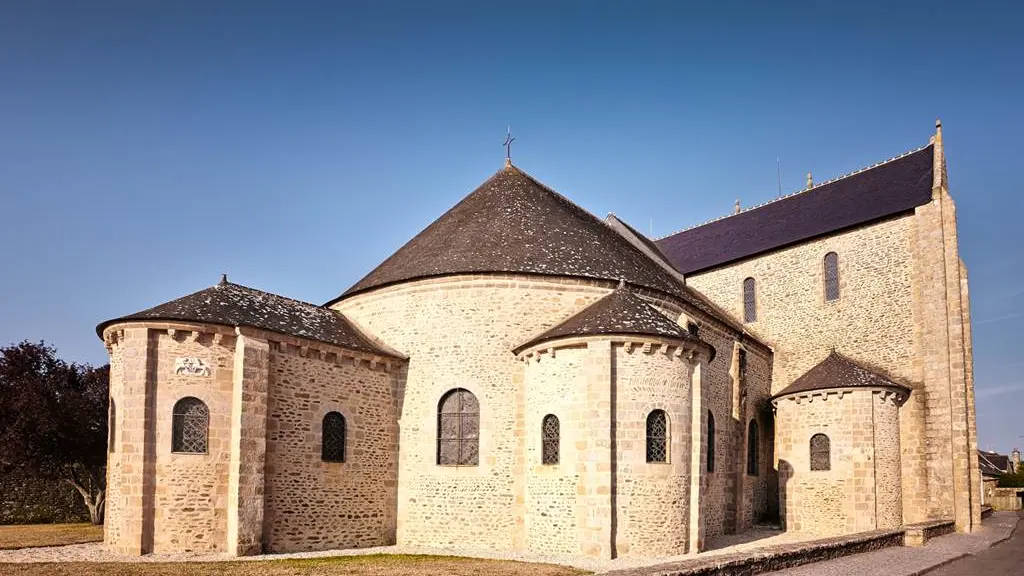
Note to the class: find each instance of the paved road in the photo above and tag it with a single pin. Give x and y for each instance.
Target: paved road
(1002, 559)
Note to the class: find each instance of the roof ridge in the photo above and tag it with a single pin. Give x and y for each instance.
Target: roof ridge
(798, 192)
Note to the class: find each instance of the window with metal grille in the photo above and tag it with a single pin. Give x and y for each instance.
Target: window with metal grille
(458, 429)
(111, 424)
(821, 452)
(549, 439)
(831, 276)
(749, 300)
(657, 436)
(693, 329)
(332, 438)
(753, 464)
(190, 426)
(711, 442)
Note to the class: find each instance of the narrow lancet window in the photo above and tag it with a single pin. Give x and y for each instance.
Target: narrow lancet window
(753, 463)
(549, 439)
(821, 452)
(332, 440)
(711, 442)
(749, 300)
(657, 436)
(831, 276)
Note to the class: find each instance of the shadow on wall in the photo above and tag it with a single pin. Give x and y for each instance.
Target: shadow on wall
(785, 473)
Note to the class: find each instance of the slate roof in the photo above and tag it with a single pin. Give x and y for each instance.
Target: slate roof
(878, 192)
(620, 313)
(838, 371)
(993, 464)
(512, 223)
(229, 304)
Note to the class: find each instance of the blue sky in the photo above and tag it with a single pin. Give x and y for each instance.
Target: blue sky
(146, 147)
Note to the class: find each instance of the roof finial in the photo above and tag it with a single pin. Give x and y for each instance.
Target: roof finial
(810, 181)
(938, 130)
(223, 278)
(509, 138)
(736, 208)
(622, 284)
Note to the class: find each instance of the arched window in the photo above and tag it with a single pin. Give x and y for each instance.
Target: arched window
(190, 425)
(332, 438)
(752, 455)
(693, 329)
(657, 436)
(111, 428)
(711, 442)
(549, 439)
(821, 452)
(831, 276)
(749, 300)
(458, 429)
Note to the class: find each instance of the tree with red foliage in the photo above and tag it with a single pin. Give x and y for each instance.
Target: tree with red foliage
(53, 419)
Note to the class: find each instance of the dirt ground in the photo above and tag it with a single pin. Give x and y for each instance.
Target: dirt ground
(391, 565)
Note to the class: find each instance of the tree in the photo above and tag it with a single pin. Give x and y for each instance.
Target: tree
(53, 419)
(1015, 480)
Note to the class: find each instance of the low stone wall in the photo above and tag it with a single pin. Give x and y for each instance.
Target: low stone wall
(986, 511)
(1006, 498)
(27, 499)
(918, 534)
(774, 557)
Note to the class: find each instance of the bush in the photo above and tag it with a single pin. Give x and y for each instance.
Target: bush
(1015, 480)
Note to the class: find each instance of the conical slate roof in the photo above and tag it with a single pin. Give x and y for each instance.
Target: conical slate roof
(230, 304)
(838, 371)
(512, 223)
(620, 313)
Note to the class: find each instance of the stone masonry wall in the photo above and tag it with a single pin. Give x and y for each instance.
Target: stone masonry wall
(872, 322)
(315, 505)
(191, 500)
(862, 490)
(652, 499)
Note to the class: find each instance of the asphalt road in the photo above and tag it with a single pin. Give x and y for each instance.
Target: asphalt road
(1002, 559)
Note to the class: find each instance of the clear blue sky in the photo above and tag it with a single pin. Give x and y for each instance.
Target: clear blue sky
(146, 147)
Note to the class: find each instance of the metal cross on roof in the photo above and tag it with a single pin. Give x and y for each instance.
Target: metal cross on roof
(509, 138)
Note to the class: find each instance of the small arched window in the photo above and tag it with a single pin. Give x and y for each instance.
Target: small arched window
(711, 442)
(111, 428)
(549, 439)
(693, 329)
(752, 455)
(831, 276)
(458, 429)
(332, 438)
(657, 436)
(190, 426)
(749, 300)
(821, 452)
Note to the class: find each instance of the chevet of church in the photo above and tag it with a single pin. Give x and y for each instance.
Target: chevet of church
(524, 375)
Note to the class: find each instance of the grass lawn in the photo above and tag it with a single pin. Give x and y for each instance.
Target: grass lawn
(32, 535)
(377, 564)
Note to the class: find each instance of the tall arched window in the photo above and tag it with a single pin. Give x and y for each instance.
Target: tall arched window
(831, 276)
(752, 455)
(549, 439)
(458, 429)
(190, 426)
(821, 452)
(749, 300)
(657, 436)
(711, 442)
(332, 438)
(112, 428)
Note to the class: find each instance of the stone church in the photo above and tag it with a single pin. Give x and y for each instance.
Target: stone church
(522, 375)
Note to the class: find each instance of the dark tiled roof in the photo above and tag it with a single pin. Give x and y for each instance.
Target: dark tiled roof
(619, 313)
(837, 371)
(512, 223)
(993, 464)
(230, 304)
(878, 192)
